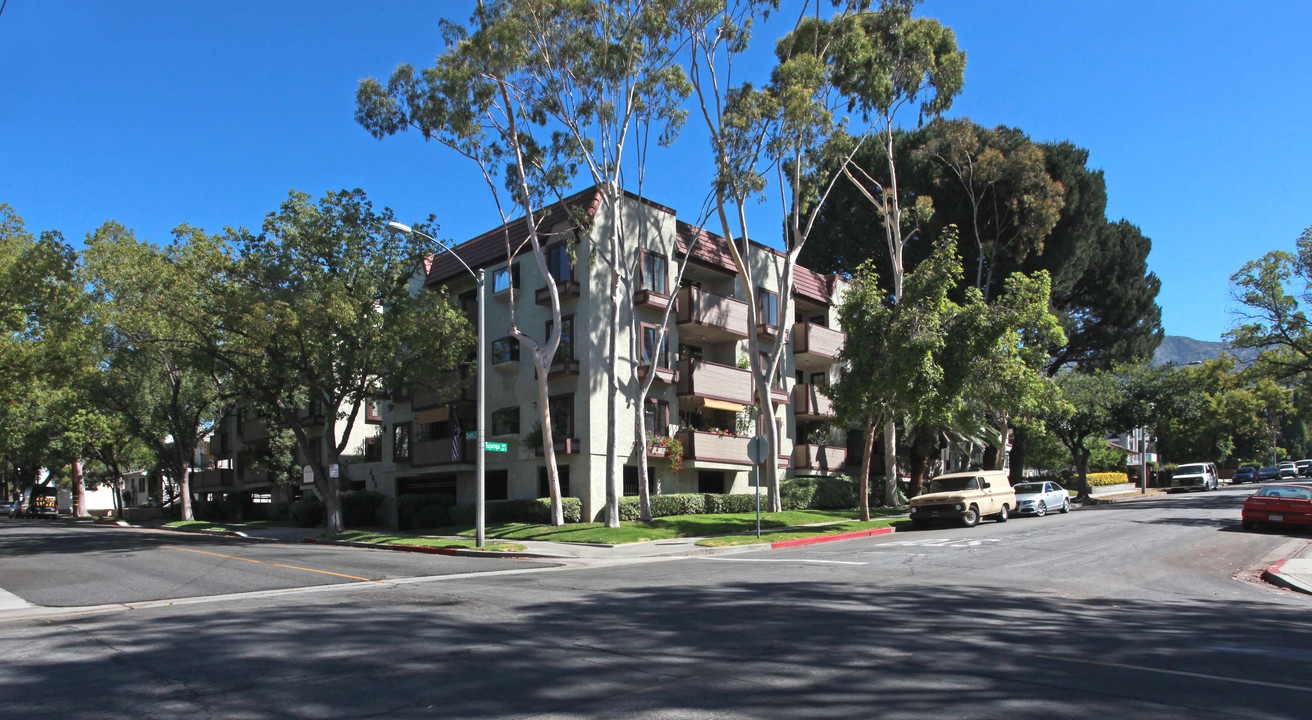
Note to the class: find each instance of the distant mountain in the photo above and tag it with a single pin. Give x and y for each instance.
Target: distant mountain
(1180, 350)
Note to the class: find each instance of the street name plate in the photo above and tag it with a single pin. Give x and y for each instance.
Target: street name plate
(494, 446)
(471, 435)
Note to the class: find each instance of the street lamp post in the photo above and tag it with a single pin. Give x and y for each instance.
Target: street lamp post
(480, 529)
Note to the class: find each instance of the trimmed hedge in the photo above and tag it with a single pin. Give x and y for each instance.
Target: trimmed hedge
(308, 512)
(536, 511)
(820, 493)
(1107, 478)
(361, 508)
(424, 510)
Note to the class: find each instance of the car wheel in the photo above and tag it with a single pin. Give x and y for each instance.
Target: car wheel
(1066, 505)
(1041, 509)
(1003, 516)
(971, 517)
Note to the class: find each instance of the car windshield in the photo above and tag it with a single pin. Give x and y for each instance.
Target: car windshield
(1248, 468)
(1296, 493)
(1029, 488)
(1189, 470)
(952, 484)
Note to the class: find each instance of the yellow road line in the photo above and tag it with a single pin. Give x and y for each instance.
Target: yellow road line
(1203, 676)
(261, 562)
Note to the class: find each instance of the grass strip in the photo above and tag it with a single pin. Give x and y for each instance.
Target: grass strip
(802, 533)
(381, 538)
(664, 528)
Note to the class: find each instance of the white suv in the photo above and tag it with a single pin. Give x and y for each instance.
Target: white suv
(1195, 476)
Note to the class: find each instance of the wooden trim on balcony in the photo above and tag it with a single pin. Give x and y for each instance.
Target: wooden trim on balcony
(715, 312)
(705, 379)
(653, 299)
(669, 376)
(808, 401)
(568, 446)
(567, 289)
(563, 369)
(713, 447)
(438, 452)
(823, 458)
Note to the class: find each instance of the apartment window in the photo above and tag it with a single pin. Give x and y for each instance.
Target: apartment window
(559, 264)
(562, 473)
(564, 351)
(652, 272)
(651, 338)
(373, 448)
(820, 379)
(401, 442)
(505, 421)
(562, 416)
(778, 380)
(631, 480)
(505, 278)
(505, 350)
(768, 307)
(656, 417)
(373, 412)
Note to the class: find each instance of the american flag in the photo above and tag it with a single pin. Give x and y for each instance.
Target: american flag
(457, 438)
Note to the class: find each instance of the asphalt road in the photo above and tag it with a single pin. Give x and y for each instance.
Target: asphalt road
(1124, 611)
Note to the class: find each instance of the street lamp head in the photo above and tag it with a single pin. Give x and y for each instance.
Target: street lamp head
(397, 227)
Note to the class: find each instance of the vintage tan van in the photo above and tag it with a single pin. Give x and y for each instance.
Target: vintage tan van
(965, 497)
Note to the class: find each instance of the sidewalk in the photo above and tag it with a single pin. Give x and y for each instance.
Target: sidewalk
(1294, 573)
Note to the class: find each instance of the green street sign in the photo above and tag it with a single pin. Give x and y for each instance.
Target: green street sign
(471, 435)
(494, 447)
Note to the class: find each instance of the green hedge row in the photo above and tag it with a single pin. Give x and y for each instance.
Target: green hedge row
(536, 511)
(820, 493)
(360, 508)
(424, 510)
(1107, 478)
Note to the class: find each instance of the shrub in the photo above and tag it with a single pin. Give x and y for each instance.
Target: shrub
(536, 511)
(1107, 478)
(308, 512)
(678, 504)
(426, 510)
(822, 493)
(737, 503)
(361, 508)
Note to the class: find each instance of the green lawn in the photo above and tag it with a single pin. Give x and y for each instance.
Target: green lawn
(677, 526)
(384, 538)
(801, 533)
(226, 526)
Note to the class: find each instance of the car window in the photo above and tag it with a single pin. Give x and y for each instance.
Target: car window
(1286, 492)
(1025, 488)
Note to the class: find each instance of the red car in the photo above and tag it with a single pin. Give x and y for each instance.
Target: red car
(1279, 505)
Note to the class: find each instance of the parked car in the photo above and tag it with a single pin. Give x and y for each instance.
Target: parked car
(7, 509)
(1195, 476)
(1037, 498)
(965, 497)
(1287, 469)
(1278, 505)
(1304, 467)
(1245, 474)
(1267, 473)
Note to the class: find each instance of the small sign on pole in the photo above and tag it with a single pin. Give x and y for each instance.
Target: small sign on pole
(758, 448)
(333, 471)
(495, 446)
(307, 475)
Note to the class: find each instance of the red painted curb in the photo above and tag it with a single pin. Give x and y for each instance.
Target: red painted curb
(1275, 569)
(829, 538)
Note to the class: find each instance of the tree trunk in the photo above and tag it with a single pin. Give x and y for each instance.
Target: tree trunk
(79, 489)
(1019, 440)
(549, 444)
(863, 484)
(613, 489)
(184, 490)
(890, 464)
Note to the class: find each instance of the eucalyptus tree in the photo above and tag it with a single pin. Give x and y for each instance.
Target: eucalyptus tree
(482, 99)
(323, 310)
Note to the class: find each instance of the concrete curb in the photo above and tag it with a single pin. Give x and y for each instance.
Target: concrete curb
(1274, 576)
(832, 538)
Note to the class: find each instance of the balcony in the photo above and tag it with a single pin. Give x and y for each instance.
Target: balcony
(699, 378)
(568, 446)
(206, 479)
(440, 452)
(663, 374)
(652, 299)
(811, 404)
(566, 289)
(712, 447)
(815, 347)
(819, 458)
(564, 368)
(706, 317)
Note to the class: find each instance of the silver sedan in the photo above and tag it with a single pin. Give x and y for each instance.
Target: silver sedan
(1040, 497)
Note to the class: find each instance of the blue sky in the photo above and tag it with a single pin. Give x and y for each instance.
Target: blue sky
(161, 113)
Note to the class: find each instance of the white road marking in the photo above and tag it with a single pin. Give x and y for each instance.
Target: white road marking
(779, 560)
(1160, 671)
(936, 542)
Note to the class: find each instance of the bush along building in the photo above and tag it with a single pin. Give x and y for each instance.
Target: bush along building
(700, 413)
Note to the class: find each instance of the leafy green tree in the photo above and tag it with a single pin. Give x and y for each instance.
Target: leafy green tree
(1219, 412)
(1272, 290)
(156, 375)
(322, 309)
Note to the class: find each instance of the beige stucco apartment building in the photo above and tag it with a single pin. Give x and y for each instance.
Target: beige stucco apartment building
(416, 440)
